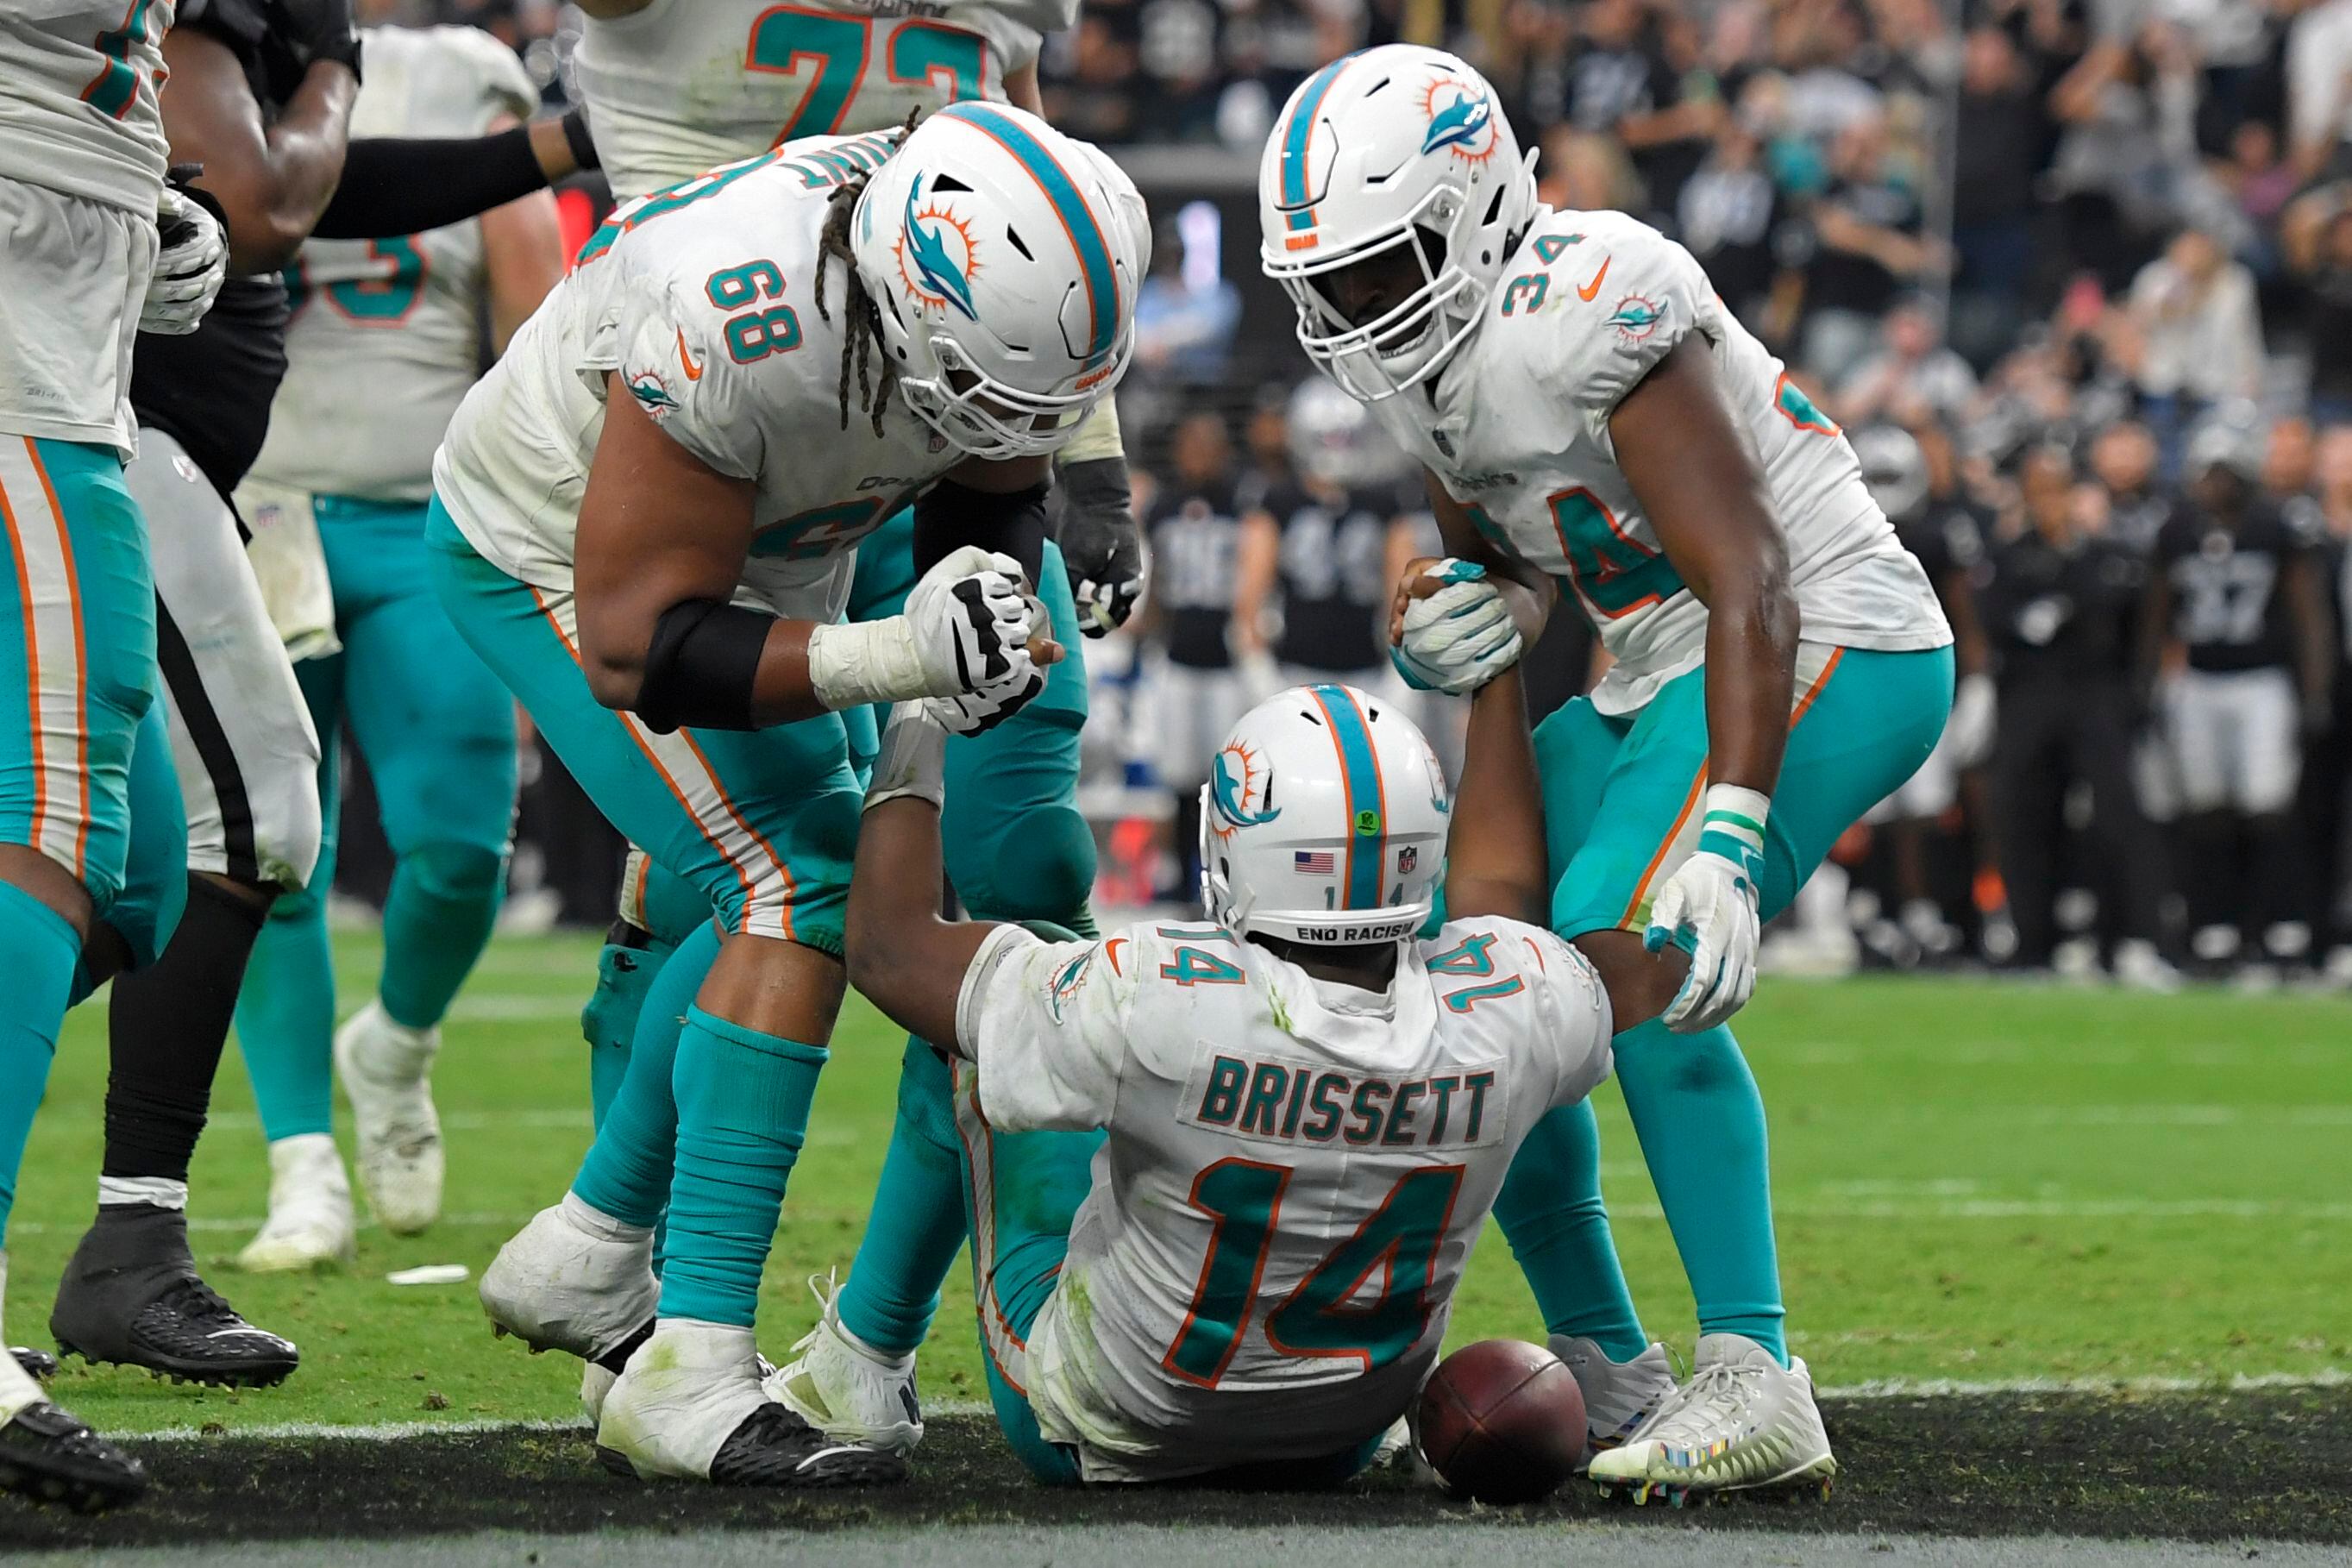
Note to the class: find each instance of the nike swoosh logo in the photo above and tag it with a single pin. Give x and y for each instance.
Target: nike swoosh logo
(1111, 950)
(1584, 292)
(694, 370)
(256, 1334)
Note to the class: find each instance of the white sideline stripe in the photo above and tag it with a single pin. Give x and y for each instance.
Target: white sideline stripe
(1962, 1208)
(1888, 1388)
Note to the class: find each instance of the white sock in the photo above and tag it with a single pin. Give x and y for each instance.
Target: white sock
(587, 1217)
(157, 1192)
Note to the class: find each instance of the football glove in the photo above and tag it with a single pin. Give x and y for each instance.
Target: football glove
(1102, 549)
(1971, 726)
(1714, 895)
(967, 625)
(317, 31)
(1459, 638)
(190, 265)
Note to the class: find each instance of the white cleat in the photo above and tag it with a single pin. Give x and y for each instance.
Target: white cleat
(690, 1407)
(574, 1279)
(850, 1390)
(1742, 1421)
(309, 1219)
(1619, 1395)
(387, 1070)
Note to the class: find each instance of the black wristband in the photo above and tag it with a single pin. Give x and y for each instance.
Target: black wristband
(577, 137)
(950, 514)
(702, 665)
(1095, 484)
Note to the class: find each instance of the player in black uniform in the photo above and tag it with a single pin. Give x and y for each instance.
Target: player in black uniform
(261, 95)
(1317, 543)
(1194, 527)
(2235, 597)
(2056, 602)
(1939, 524)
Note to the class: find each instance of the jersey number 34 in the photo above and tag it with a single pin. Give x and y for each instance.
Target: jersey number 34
(1324, 1316)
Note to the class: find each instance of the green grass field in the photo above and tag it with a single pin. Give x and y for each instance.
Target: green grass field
(1976, 1182)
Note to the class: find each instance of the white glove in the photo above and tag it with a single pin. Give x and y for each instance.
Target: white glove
(1714, 895)
(967, 625)
(993, 702)
(189, 269)
(1970, 728)
(1461, 636)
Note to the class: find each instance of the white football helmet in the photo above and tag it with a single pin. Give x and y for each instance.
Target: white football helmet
(1323, 821)
(1395, 148)
(1334, 440)
(1003, 258)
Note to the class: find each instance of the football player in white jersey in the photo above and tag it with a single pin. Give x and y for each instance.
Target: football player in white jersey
(1592, 418)
(645, 521)
(1224, 1177)
(386, 341)
(93, 244)
(676, 87)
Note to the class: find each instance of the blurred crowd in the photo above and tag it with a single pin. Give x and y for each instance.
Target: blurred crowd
(2075, 277)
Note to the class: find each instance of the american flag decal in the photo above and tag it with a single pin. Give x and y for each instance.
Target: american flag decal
(1312, 862)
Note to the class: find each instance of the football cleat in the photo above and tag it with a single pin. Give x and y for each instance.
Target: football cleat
(131, 1295)
(1742, 1421)
(386, 1071)
(575, 1279)
(49, 1457)
(310, 1218)
(1619, 1395)
(850, 1390)
(690, 1407)
(38, 1366)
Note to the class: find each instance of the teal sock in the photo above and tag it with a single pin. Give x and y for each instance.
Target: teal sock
(286, 1018)
(916, 1225)
(43, 952)
(627, 1171)
(1551, 1214)
(438, 917)
(1701, 1123)
(625, 976)
(742, 1112)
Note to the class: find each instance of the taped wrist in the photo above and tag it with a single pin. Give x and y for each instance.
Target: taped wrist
(866, 661)
(1733, 826)
(1096, 437)
(950, 515)
(913, 758)
(702, 667)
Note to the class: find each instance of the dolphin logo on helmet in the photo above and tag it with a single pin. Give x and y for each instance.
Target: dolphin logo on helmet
(1459, 124)
(937, 271)
(1230, 795)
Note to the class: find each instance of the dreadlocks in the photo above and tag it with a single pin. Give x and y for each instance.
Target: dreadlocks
(862, 321)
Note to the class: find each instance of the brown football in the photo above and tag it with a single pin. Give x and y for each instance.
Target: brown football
(1502, 1421)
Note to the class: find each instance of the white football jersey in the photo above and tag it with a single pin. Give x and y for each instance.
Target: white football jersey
(704, 301)
(78, 85)
(388, 335)
(684, 85)
(1518, 432)
(1294, 1173)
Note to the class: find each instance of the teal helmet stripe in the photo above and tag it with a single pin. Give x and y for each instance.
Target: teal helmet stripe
(1301, 129)
(1368, 816)
(1086, 232)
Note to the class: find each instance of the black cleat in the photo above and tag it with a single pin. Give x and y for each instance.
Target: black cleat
(39, 1365)
(774, 1447)
(131, 1295)
(49, 1457)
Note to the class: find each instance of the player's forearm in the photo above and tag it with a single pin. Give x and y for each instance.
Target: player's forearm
(397, 185)
(1751, 676)
(1495, 853)
(905, 958)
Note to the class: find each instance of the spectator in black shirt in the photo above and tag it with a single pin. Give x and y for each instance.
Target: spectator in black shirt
(1868, 246)
(2317, 237)
(1620, 80)
(1727, 212)
(2235, 601)
(2056, 603)
(2001, 143)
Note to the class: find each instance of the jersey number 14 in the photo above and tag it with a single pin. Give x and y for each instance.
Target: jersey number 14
(1324, 1316)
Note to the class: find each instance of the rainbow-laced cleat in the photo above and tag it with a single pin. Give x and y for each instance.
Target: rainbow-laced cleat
(1742, 1422)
